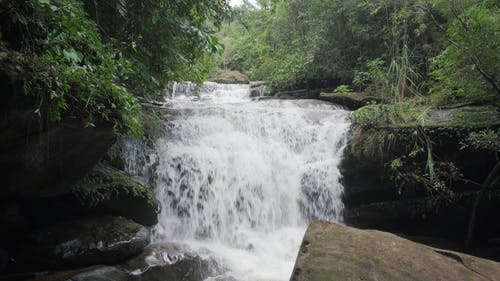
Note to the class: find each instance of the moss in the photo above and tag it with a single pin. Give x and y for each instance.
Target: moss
(108, 189)
(410, 115)
(333, 252)
(104, 182)
(469, 116)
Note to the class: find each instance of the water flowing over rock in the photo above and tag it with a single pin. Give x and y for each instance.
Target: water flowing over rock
(243, 178)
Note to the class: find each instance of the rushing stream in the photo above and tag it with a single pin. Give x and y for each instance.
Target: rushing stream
(239, 179)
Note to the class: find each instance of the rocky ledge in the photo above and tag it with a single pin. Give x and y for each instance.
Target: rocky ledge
(333, 252)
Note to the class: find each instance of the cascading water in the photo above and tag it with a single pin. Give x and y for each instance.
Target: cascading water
(243, 178)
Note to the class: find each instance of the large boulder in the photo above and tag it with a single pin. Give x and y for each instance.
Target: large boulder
(334, 252)
(98, 240)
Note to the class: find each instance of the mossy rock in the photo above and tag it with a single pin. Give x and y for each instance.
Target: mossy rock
(351, 100)
(334, 252)
(108, 189)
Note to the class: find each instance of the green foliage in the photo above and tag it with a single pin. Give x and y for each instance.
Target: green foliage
(343, 89)
(90, 68)
(58, 56)
(385, 115)
(164, 40)
(487, 140)
(468, 69)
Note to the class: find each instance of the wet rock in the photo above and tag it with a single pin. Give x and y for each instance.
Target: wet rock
(334, 252)
(99, 240)
(170, 262)
(158, 262)
(100, 273)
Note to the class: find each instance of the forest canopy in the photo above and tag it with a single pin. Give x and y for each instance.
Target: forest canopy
(91, 59)
(393, 48)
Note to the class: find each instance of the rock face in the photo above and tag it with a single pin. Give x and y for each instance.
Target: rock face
(54, 155)
(99, 240)
(334, 252)
(374, 199)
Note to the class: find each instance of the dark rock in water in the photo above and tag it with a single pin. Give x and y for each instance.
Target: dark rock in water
(158, 262)
(334, 252)
(170, 262)
(100, 273)
(100, 240)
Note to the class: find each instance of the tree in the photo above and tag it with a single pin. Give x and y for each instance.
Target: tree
(468, 67)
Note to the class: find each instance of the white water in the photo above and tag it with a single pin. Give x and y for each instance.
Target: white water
(243, 178)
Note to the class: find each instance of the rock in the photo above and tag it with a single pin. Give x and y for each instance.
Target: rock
(352, 100)
(334, 252)
(54, 155)
(158, 262)
(375, 200)
(229, 77)
(161, 262)
(98, 240)
(422, 217)
(298, 94)
(257, 89)
(112, 192)
(100, 273)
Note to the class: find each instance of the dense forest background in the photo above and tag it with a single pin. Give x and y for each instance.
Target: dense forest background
(94, 57)
(444, 50)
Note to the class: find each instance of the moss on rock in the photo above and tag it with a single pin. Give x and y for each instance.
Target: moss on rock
(109, 189)
(229, 77)
(334, 252)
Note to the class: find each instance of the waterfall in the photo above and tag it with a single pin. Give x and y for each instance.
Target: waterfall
(243, 178)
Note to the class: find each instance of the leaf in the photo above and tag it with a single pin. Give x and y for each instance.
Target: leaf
(73, 55)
